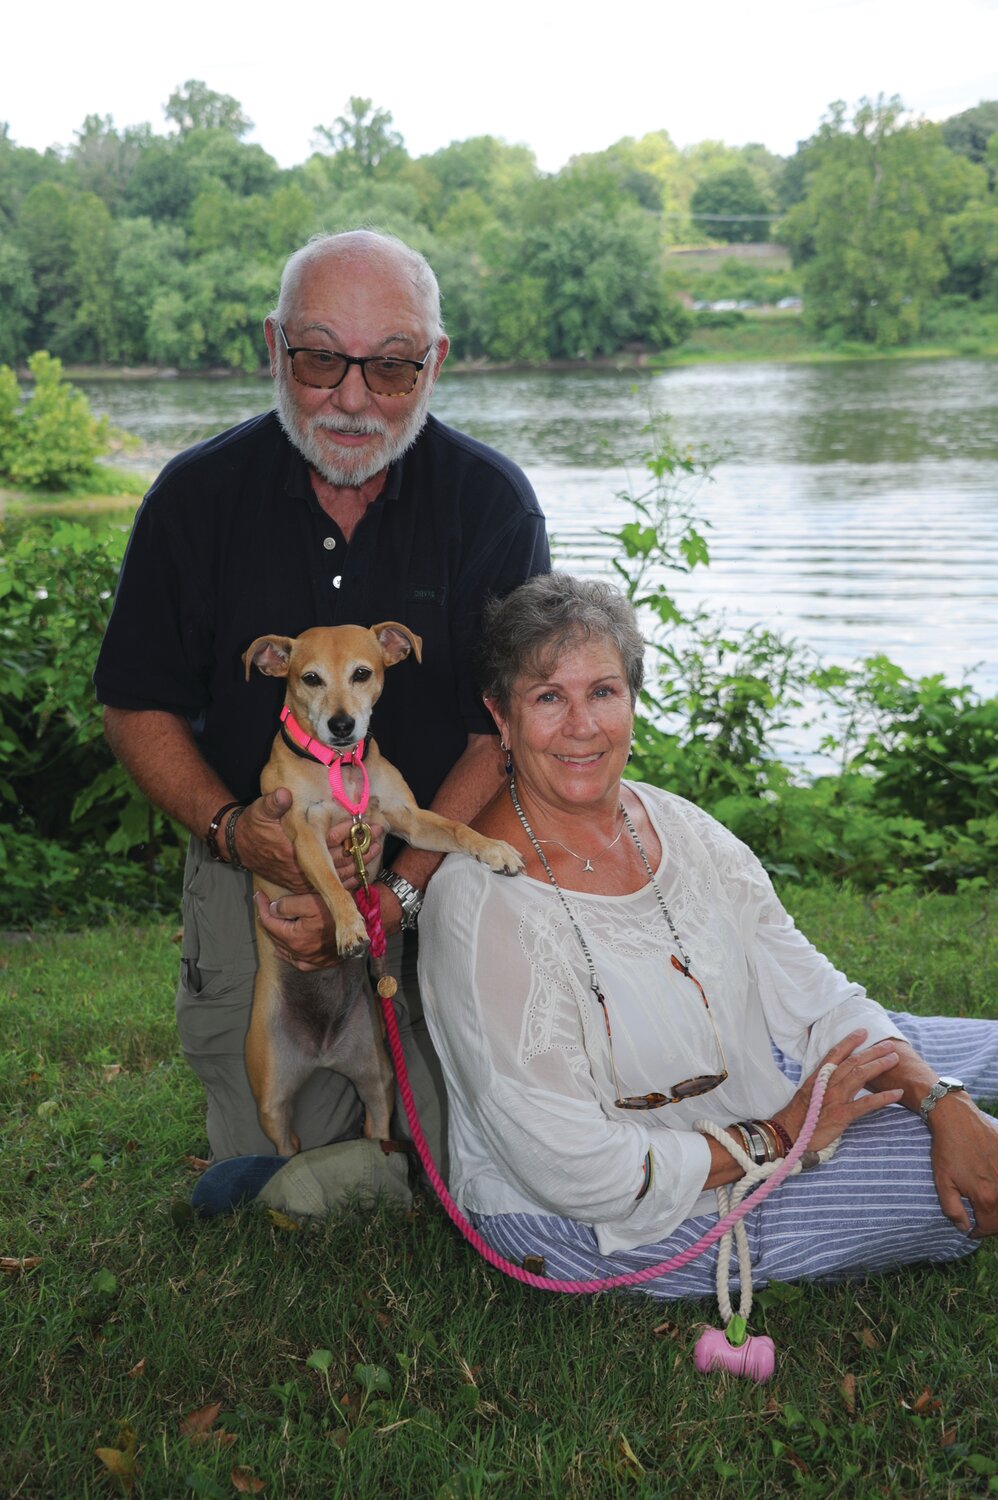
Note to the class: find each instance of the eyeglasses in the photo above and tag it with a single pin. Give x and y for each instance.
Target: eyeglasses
(325, 369)
(689, 1088)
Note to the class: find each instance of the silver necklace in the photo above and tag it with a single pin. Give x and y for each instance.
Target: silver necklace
(536, 842)
(584, 859)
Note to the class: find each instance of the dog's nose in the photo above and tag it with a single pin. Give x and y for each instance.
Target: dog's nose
(340, 726)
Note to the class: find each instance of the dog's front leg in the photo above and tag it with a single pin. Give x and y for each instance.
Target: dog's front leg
(307, 830)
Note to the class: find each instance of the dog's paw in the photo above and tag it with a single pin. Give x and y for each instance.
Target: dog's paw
(352, 940)
(500, 857)
(355, 949)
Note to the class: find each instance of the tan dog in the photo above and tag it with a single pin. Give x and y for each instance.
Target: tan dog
(328, 1018)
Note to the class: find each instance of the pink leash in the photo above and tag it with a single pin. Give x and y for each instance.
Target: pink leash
(629, 1278)
(746, 1355)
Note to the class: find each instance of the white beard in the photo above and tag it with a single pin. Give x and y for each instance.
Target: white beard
(349, 468)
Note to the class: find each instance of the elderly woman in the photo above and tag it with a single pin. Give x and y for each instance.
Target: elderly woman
(642, 975)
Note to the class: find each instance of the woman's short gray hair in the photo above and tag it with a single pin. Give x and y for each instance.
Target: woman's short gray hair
(528, 630)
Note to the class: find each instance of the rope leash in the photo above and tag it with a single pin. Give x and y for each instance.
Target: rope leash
(732, 1348)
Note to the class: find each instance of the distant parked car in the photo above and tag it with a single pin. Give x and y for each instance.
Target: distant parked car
(790, 304)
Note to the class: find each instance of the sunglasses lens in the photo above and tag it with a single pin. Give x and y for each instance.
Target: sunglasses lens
(691, 1087)
(642, 1101)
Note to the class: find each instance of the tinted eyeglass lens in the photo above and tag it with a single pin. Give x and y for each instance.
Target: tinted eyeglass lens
(691, 1087)
(385, 377)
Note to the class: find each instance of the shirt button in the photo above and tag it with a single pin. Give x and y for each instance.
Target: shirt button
(337, 581)
(329, 542)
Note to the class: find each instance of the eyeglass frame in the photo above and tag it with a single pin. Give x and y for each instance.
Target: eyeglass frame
(705, 1082)
(362, 361)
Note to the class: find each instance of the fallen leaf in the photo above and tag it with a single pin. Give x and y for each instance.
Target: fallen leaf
(111, 1071)
(795, 1459)
(121, 1461)
(245, 1481)
(947, 1437)
(197, 1163)
(848, 1388)
(926, 1403)
(282, 1221)
(46, 1108)
(220, 1439)
(201, 1420)
(13, 1265)
(668, 1329)
(178, 936)
(630, 1463)
(867, 1338)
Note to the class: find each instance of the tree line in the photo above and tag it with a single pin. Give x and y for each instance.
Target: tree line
(133, 247)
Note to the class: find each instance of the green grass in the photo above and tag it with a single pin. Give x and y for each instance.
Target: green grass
(377, 1355)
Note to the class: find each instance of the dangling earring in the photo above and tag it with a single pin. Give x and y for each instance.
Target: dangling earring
(509, 757)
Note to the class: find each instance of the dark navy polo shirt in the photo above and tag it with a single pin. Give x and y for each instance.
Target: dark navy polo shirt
(230, 543)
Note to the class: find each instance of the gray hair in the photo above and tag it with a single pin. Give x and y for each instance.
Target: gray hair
(530, 628)
(366, 245)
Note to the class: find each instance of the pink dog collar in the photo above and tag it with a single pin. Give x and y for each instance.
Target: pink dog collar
(333, 760)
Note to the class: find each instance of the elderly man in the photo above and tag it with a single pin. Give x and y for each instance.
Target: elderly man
(348, 504)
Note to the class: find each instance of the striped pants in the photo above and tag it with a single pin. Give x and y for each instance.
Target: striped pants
(872, 1207)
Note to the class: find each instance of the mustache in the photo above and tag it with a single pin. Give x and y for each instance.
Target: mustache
(349, 426)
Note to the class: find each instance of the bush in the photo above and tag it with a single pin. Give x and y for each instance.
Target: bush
(51, 440)
(72, 822)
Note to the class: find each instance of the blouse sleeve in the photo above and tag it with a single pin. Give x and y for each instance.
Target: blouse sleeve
(808, 1003)
(512, 1036)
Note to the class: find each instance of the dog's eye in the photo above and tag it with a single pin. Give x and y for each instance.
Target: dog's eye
(311, 679)
(361, 674)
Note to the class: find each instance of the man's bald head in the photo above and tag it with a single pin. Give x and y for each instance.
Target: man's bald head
(368, 249)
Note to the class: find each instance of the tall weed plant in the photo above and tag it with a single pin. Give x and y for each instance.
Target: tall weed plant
(914, 800)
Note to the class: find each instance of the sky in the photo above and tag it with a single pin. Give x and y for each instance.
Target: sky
(561, 78)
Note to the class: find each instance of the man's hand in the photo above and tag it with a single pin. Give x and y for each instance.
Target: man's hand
(965, 1163)
(264, 847)
(299, 924)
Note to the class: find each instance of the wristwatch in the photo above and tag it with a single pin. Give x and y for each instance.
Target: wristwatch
(408, 897)
(936, 1092)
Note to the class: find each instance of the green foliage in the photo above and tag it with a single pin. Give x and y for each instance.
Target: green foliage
(194, 106)
(869, 232)
(51, 440)
(728, 205)
(70, 817)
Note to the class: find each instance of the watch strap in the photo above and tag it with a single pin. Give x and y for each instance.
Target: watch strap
(936, 1092)
(409, 898)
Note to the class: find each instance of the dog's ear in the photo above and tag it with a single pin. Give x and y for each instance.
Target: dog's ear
(396, 641)
(271, 653)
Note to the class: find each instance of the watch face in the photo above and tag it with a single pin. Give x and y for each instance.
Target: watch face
(950, 1083)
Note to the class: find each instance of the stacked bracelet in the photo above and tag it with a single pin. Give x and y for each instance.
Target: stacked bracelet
(230, 838)
(782, 1136)
(211, 837)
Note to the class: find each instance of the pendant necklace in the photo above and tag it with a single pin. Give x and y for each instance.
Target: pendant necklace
(584, 860)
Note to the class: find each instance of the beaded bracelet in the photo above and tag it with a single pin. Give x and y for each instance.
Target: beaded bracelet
(782, 1136)
(230, 839)
(211, 837)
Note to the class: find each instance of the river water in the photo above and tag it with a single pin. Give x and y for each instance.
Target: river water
(853, 506)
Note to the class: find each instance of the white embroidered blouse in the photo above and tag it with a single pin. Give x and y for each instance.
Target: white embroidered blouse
(522, 1041)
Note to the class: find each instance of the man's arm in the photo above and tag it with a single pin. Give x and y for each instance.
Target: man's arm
(301, 927)
(159, 752)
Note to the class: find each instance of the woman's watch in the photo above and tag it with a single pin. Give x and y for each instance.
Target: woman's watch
(407, 896)
(936, 1092)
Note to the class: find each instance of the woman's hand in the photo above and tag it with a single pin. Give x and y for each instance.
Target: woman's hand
(855, 1070)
